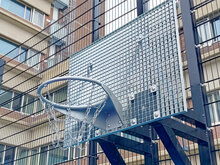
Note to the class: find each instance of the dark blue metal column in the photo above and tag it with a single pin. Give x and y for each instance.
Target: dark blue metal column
(2, 64)
(140, 7)
(111, 153)
(95, 21)
(196, 78)
(92, 153)
(95, 36)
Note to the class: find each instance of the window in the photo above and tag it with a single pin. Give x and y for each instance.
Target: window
(17, 8)
(55, 55)
(14, 7)
(80, 152)
(16, 102)
(34, 156)
(209, 30)
(7, 46)
(28, 104)
(21, 54)
(51, 59)
(9, 155)
(5, 97)
(2, 147)
(38, 18)
(33, 59)
(204, 32)
(43, 155)
(23, 11)
(214, 107)
(60, 95)
(57, 155)
(216, 28)
(22, 156)
(55, 13)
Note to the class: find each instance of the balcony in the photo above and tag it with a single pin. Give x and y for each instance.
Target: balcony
(61, 4)
(59, 33)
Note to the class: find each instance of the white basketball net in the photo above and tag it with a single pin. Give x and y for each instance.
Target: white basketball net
(55, 122)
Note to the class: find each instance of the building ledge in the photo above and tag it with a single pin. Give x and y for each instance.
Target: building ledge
(20, 67)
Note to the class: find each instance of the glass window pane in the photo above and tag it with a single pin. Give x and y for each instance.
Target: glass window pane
(23, 55)
(216, 28)
(33, 59)
(43, 155)
(39, 106)
(204, 32)
(60, 95)
(57, 155)
(22, 156)
(9, 155)
(217, 98)
(28, 14)
(6, 47)
(1, 152)
(14, 7)
(28, 105)
(38, 18)
(5, 96)
(34, 156)
(16, 106)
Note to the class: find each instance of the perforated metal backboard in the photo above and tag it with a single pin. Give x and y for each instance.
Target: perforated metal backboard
(141, 64)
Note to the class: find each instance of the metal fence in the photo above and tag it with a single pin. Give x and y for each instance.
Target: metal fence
(25, 136)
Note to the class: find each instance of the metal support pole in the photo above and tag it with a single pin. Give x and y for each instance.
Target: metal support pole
(95, 36)
(92, 153)
(153, 158)
(2, 64)
(95, 21)
(140, 7)
(196, 78)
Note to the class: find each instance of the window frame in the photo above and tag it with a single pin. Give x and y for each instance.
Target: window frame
(33, 14)
(25, 10)
(213, 28)
(213, 108)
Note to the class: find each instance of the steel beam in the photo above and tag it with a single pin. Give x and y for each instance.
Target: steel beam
(111, 152)
(191, 117)
(196, 77)
(185, 131)
(172, 145)
(141, 132)
(128, 144)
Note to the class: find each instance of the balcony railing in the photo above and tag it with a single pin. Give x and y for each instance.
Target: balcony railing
(59, 33)
(61, 4)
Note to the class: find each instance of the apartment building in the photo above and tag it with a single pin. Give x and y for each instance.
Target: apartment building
(36, 41)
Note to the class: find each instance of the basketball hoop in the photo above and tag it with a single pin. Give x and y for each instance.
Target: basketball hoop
(90, 115)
